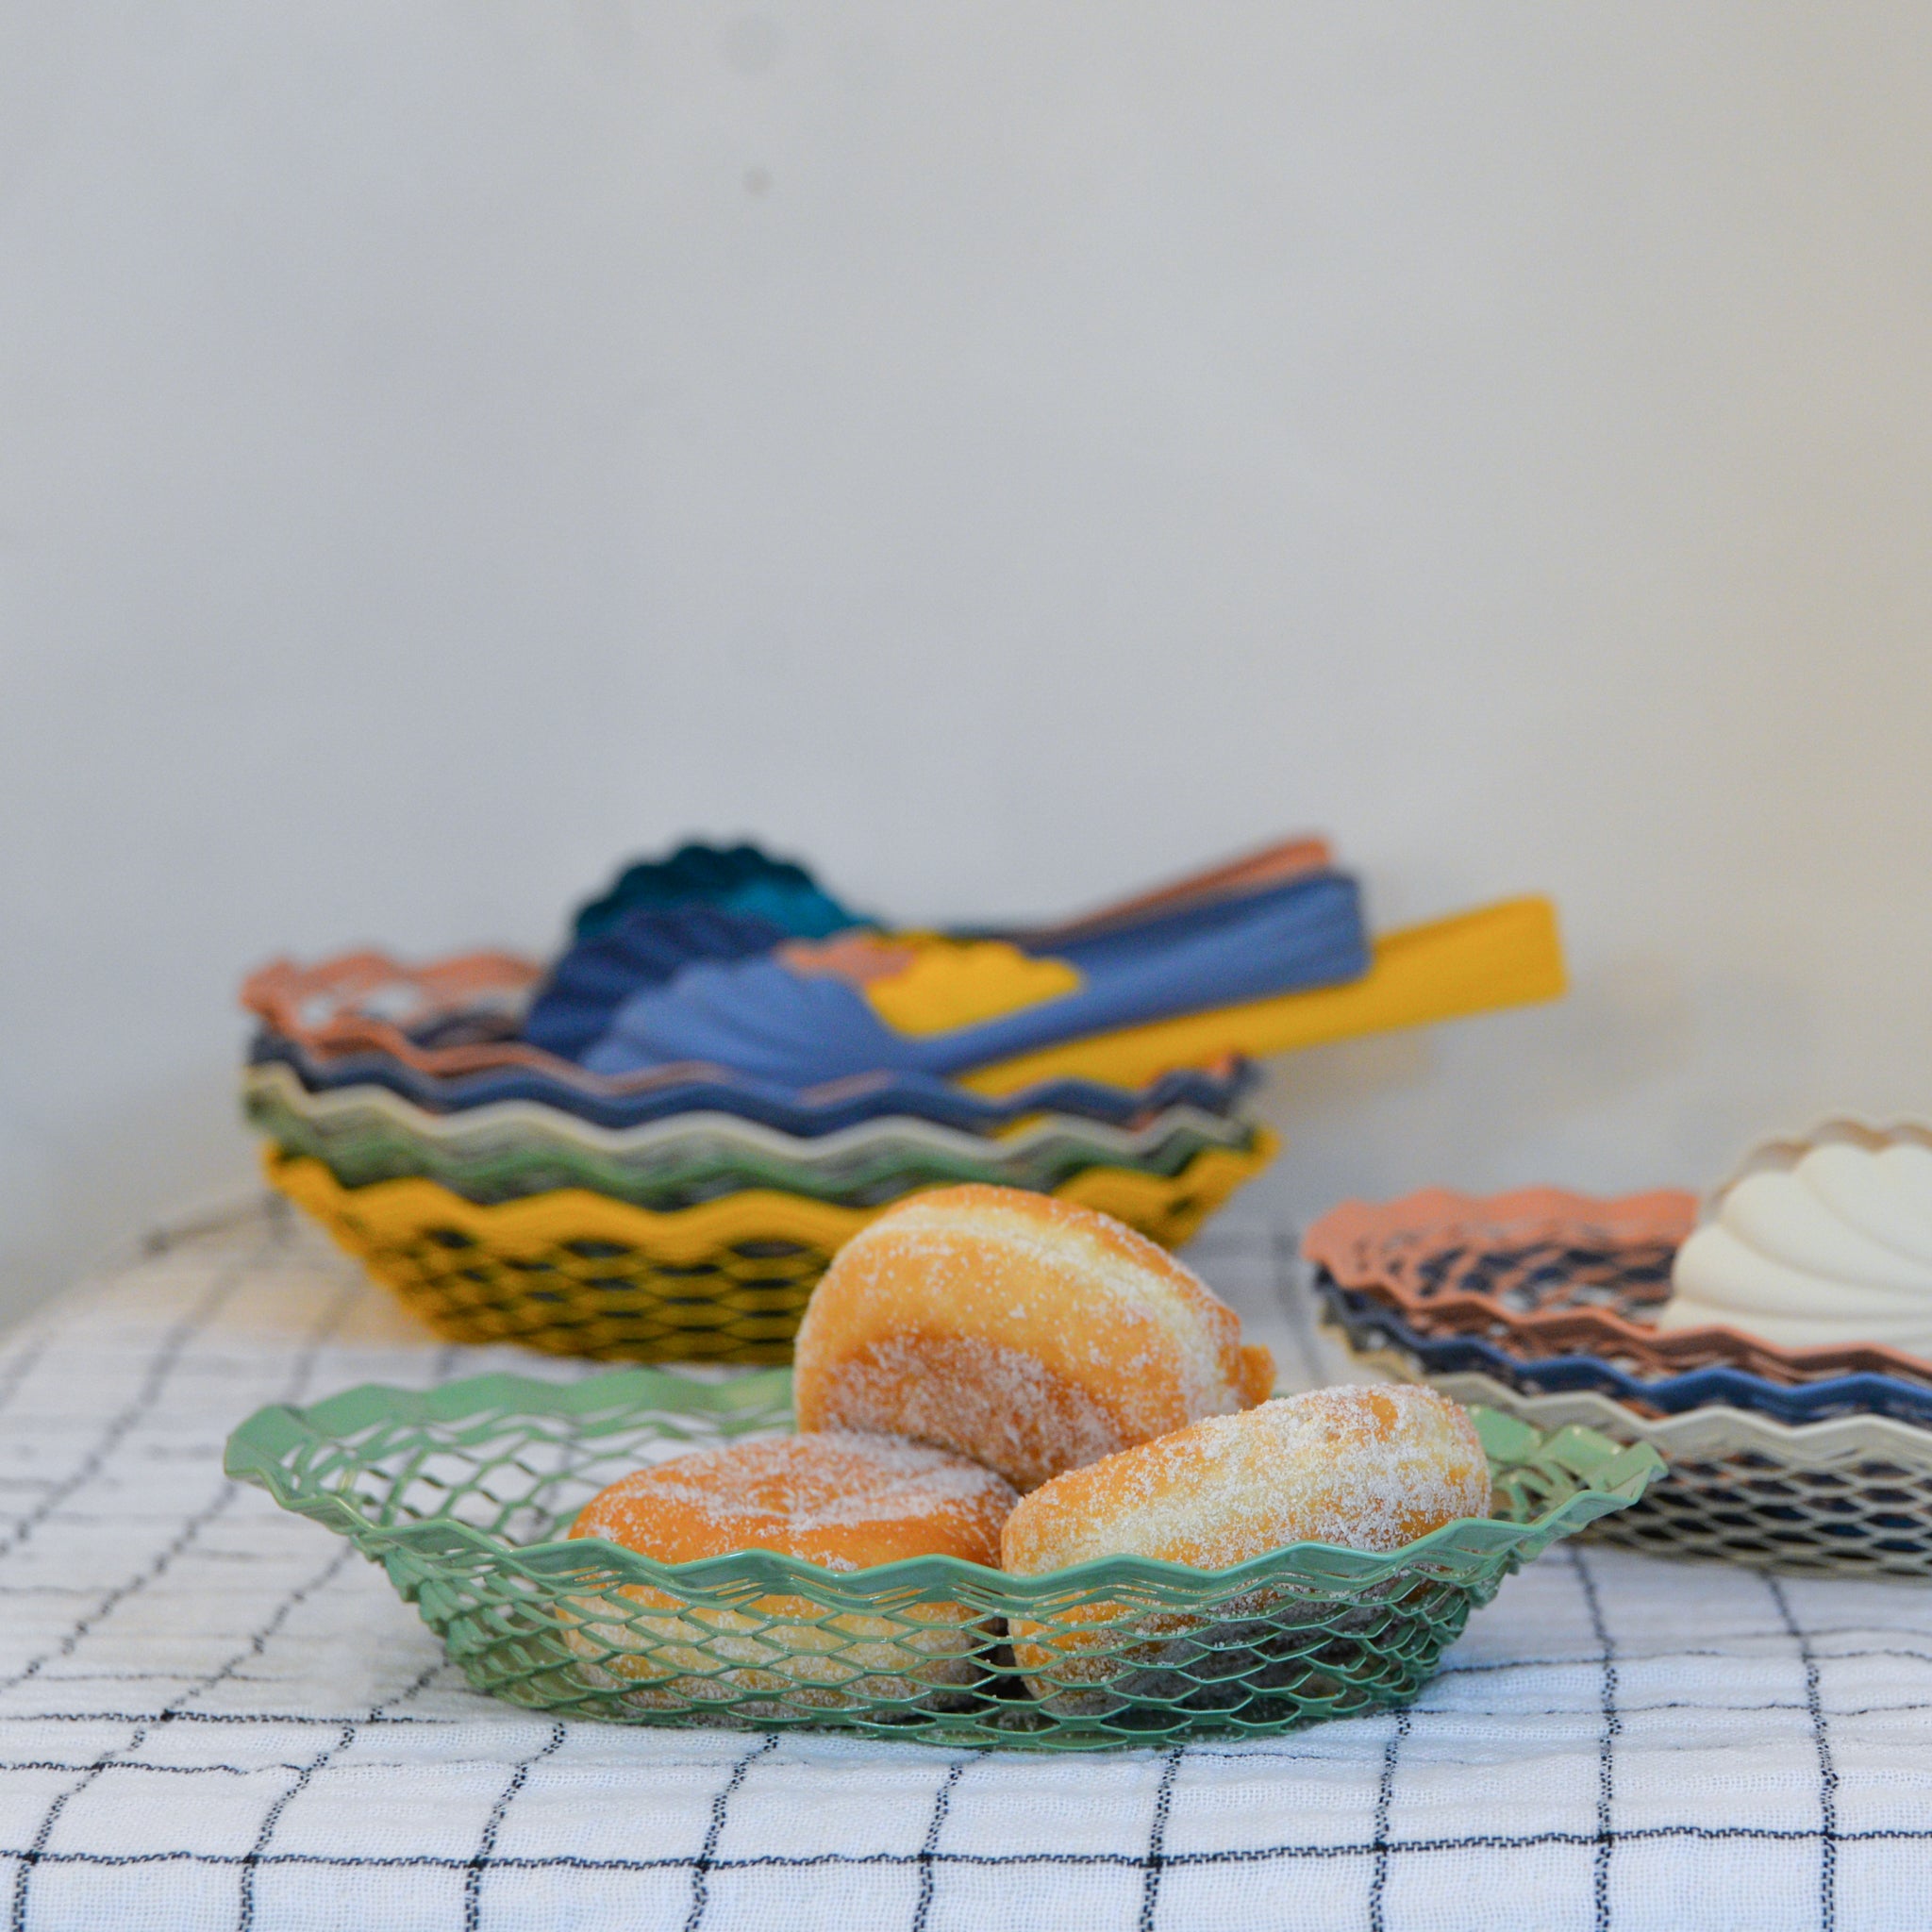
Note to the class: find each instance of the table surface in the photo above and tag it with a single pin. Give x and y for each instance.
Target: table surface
(213, 1714)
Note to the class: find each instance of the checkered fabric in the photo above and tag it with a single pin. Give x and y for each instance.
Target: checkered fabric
(213, 1715)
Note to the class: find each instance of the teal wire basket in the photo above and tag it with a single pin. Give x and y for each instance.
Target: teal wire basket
(465, 1494)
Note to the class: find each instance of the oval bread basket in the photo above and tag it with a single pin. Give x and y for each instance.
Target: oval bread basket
(465, 1494)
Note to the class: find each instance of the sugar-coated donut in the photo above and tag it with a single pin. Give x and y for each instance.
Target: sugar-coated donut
(1367, 1468)
(840, 1499)
(1029, 1334)
(843, 1500)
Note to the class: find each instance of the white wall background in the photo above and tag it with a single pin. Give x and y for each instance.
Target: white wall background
(1003, 451)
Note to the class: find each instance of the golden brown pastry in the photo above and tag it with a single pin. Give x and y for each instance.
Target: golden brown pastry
(1367, 1468)
(840, 1500)
(845, 1501)
(1032, 1335)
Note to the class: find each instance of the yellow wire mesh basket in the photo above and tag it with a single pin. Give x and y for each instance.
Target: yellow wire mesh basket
(574, 1272)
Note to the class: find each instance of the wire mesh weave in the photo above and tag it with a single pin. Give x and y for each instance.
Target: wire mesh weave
(1367, 1325)
(1849, 1497)
(461, 1494)
(573, 1273)
(367, 1136)
(1544, 1272)
(1863, 1516)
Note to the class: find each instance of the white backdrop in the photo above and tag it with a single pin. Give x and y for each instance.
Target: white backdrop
(1002, 452)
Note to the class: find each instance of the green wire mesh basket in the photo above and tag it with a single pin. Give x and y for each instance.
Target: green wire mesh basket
(463, 1493)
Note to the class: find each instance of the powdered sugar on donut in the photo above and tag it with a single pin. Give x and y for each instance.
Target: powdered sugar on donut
(1003, 1232)
(1366, 1468)
(1001, 1405)
(1023, 1331)
(838, 1498)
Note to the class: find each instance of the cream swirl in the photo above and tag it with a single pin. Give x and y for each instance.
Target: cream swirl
(1834, 1248)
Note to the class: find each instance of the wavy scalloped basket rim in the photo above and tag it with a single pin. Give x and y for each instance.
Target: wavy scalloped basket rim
(1779, 1153)
(279, 993)
(534, 1120)
(1342, 1243)
(570, 1271)
(1352, 1630)
(1414, 1351)
(254, 1452)
(1851, 1495)
(1712, 1429)
(1338, 1240)
(751, 1213)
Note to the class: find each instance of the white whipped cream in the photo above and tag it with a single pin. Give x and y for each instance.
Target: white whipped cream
(1834, 1248)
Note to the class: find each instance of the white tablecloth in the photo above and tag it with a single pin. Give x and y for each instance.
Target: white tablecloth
(214, 1715)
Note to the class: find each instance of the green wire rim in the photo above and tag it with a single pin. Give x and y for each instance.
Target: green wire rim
(464, 1493)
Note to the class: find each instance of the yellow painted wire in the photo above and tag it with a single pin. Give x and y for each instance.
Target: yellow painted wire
(574, 1272)
(398, 1211)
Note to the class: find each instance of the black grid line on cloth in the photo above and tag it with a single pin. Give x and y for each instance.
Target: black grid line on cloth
(942, 1804)
(1857, 1631)
(157, 1567)
(145, 1764)
(486, 1845)
(1132, 1861)
(261, 1640)
(1828, 1771)
(1385, 1799)
(384, 1712)
(351, 1728)
(1293, 1302)
(155, 1677)
(36, 1854)
(335, 1720)
(161, 1366)
(1628, 1655)
(251, 1862)
(707, 1860)
(174, 1677)
(1773, 1651)
(258, 1642)
(1606, 1749)
(1377, 1844)
(304, 1774)
(1157, 1838)
(301, 1370)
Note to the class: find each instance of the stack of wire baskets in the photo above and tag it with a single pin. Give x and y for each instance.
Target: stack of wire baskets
(508, 1193)
(508, 1196)
(462, 1129)
(1542, 1304)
